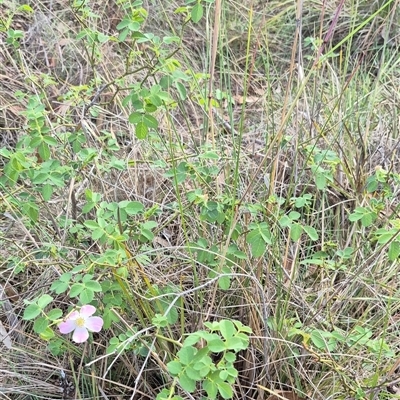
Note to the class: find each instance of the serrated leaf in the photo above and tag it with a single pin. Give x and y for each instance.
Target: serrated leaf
(94, 286)
(211, 388)
(47, 334)
(216, 345)
(31, 312)
(50, 140)
(320, 181)
(174, 367)
(91, 224)
(394, 250)
(31, 210)
(224, 282)
(295, 231)
(227, 328)
(87, 207)
(257, 247)
(236, 344)
(40, 325)
(76, 290)
(225, 390)
(230, 357)
(318, 340)
(141, 130)
(150, 121)
(192, 373)
(86, 296)
(187, 383)
(47, 191)
(197, 13)
(134, 207)
(97, 234)
(223, 374)
(44, 301)
(54, 314)
(311, 232)
(135, 117)
(186, 354)
(181, 90)
(44, 151)
(59, 287)
(368, 219)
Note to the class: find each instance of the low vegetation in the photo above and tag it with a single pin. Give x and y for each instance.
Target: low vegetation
(199, 199)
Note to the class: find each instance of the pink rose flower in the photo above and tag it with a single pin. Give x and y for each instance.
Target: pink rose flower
(81, 322)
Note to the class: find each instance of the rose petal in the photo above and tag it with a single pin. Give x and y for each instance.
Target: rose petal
(74, 315)
(80, 335)
(87, 311)
(67, 326)
(94, 324)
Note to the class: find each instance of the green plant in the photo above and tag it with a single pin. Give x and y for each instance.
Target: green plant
(195, 362)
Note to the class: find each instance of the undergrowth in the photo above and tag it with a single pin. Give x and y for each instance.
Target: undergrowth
(206, 194)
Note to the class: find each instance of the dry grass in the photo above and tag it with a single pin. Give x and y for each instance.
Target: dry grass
(276, 109)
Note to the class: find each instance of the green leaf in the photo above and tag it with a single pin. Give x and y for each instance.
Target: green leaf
(174, 367)
(368, 219)
(394, 250)
(97, 234)
(211, 388)
(31, 210)
(149, 107)
(320, 181)
(133, 207)
(147, 235)
(50, 140)
(318, 339)
(193, 338)
(181, 90)
(86, 296)
(242, 328)
(311, 232)
(44, 151)
(40, 325)
(109, 317)
(187, 383)
(76, 289)
(47, 334)
(59, 287)
(227, 328)
(32, 311)
(192, 373)
(186, 354)
(160, 321)
(197, 13)
(285, 221)
(384, 236)
(44, 301)
(135, 117)
(223, 374)
(150, 121)
(236, 344)
(225, 390)
(230, 357)
(295, 231)
(256, 242)
(91, 224)
(94, 286)
(54, 314)
(141, 130)
(47, 191)
(216, 345)
(88, 206)
(224, 282)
